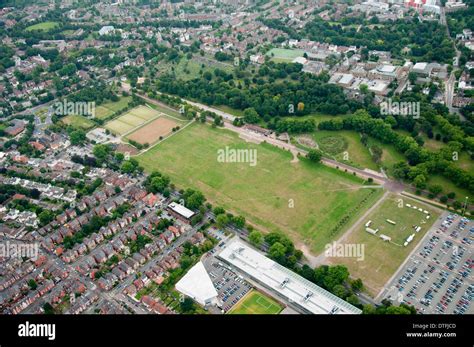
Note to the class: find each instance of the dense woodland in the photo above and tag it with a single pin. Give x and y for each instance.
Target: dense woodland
(427, 40)
(266, 92)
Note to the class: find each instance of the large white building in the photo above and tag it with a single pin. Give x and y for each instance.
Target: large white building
(197, 285)
(284, 283)
(105, 30)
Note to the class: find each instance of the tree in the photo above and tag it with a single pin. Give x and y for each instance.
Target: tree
(340, 291)
(222, 220)
(101, 151)
(353, 300)
(45, 217)
(187, 305)
(277, 251)
(48, 309)
(420, 182)
(119, 157)
(397, 310)
(127, 167)
(77, 137)
(357, 285)
(314, 155)
(251, 116)
(193, 199)
(256, 238)
(412, 77)
(239, 221)
(218, 210)
(435, 189)
(32, 284)
(159, 184)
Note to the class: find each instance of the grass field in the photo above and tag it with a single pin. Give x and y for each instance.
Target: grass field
(432, 144)
(382, 259)
(232, 111)
(168, 110)
(284, 55)
(45, 26)
(344, 146)
(448, 187)
(109, 108)
(189, 69)
(80, 122)
(390, 155)
(465, 162)
(303, 200)
(256, 303)
(133, 119)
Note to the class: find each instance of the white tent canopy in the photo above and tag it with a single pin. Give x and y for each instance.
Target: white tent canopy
(197, 285)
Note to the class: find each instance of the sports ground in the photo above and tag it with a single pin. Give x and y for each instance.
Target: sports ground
(155, 130)
(133, 119)
(303, 200)
(107, 109)
(256, 303)
(284, 55)
(382, 258)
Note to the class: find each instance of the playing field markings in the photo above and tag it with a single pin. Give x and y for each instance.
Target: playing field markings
(167, 137)
(140, 126)
(265, 301)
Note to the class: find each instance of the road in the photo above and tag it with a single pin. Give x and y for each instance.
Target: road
(117, 292)
(449, 87)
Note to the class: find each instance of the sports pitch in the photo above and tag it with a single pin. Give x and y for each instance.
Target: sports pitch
(302, 200)
(256, 303)
(155, 130)
(382, 259)
(109, 108)
(284, 55)
(133, 119)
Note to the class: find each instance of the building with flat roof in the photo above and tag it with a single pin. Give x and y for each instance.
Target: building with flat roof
(180, 212)
(284, 283)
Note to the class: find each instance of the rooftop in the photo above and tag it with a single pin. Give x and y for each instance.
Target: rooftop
(180, 209)
(288, 284)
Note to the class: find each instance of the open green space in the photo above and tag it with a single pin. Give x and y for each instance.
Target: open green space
(284, 55)
(168, 110)
(390, 155)
(345, 146)
(188, 69)
(109, 108)
(232, 111)
(256, 303)
(449, 187)
(77, 121)
(133, 119)
(382, 258)
(311, 203)
(44, 26)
